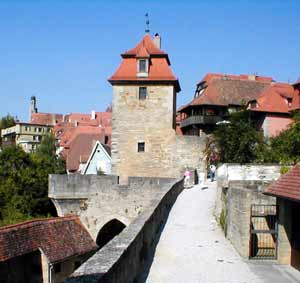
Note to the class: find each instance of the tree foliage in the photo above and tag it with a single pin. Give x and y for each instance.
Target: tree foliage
(6, 122)
(237, 139)
(24, 182)
(284, 148)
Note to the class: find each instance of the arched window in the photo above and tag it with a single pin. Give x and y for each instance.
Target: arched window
(109, 231)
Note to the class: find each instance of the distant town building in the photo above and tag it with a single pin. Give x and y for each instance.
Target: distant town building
(215, 97)
(144, 140)
(99, 161)
(77, 136)
(47, 119)
(26, 135)
(271, 111)
(218, 95)
(43, 250)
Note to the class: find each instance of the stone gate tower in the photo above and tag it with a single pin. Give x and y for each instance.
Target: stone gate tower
(144, 108)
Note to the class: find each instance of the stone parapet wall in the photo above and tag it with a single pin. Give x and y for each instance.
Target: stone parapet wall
(240, 196)
(247, 172)
(100, 199)
(123, 258)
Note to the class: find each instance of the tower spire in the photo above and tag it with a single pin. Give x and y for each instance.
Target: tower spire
(147, 29)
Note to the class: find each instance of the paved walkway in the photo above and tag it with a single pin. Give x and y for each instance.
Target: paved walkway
(192, 248)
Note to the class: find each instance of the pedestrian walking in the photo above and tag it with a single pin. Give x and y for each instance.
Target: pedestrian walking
(212, 171)
(187, 177)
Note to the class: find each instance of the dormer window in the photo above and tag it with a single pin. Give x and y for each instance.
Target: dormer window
(143, 65)
(253, 104)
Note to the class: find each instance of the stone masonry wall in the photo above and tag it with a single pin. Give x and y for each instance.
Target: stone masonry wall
(150, 121)
(124, 257)
(284, 231)
(229, 172)
(240, 196)
(99, 199)
(189, 152)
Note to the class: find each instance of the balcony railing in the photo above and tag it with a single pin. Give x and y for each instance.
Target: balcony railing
(200, 120)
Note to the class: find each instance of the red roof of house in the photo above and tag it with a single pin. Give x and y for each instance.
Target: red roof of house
(276, 98)
(65, 130)
(287, 186)
(81, 144)
(159, 67)
(59, 238)
(145, 44)
(228, 90)
(46, 118)
(296, 99)
(209, 76)
(271, 101)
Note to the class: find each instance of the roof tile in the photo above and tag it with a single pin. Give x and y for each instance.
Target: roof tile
(287, 186)
(59, 238)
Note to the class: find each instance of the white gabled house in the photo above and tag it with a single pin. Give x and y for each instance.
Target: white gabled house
(99, 160)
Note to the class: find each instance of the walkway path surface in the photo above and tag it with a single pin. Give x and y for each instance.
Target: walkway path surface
(192, 248)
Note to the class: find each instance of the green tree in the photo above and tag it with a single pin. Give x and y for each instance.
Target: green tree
(6, 122)
(237, 139)
(16, 178)
(284, 148)
(45, 155)
(24, 182)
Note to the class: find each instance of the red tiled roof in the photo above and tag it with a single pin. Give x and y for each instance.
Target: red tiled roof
(101, 118)
(271, 101)
(208, 77)
(147, 44)
(142, 53)
(46, 118)
(284, 89)
(275, 99)
(65, 130)
(159, 66)
(59, 238)
(287, 186)
(81, 145)
(224, 91)
(296, 100)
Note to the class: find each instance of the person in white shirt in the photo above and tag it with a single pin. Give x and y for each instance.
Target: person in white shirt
(212, 171)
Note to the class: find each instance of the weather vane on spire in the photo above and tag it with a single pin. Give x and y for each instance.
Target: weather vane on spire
(147, 30)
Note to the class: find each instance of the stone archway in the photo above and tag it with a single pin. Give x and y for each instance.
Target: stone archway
(109, 231)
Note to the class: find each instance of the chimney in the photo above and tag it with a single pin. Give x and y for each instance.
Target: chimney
(157, 40)
(252, 77)
(93, 115)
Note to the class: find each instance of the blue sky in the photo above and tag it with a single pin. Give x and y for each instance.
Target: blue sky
(63, 51)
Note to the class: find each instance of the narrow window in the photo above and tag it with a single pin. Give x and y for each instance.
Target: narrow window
(142, 93)
(143, 66)
(106, 140)
(141, 146)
